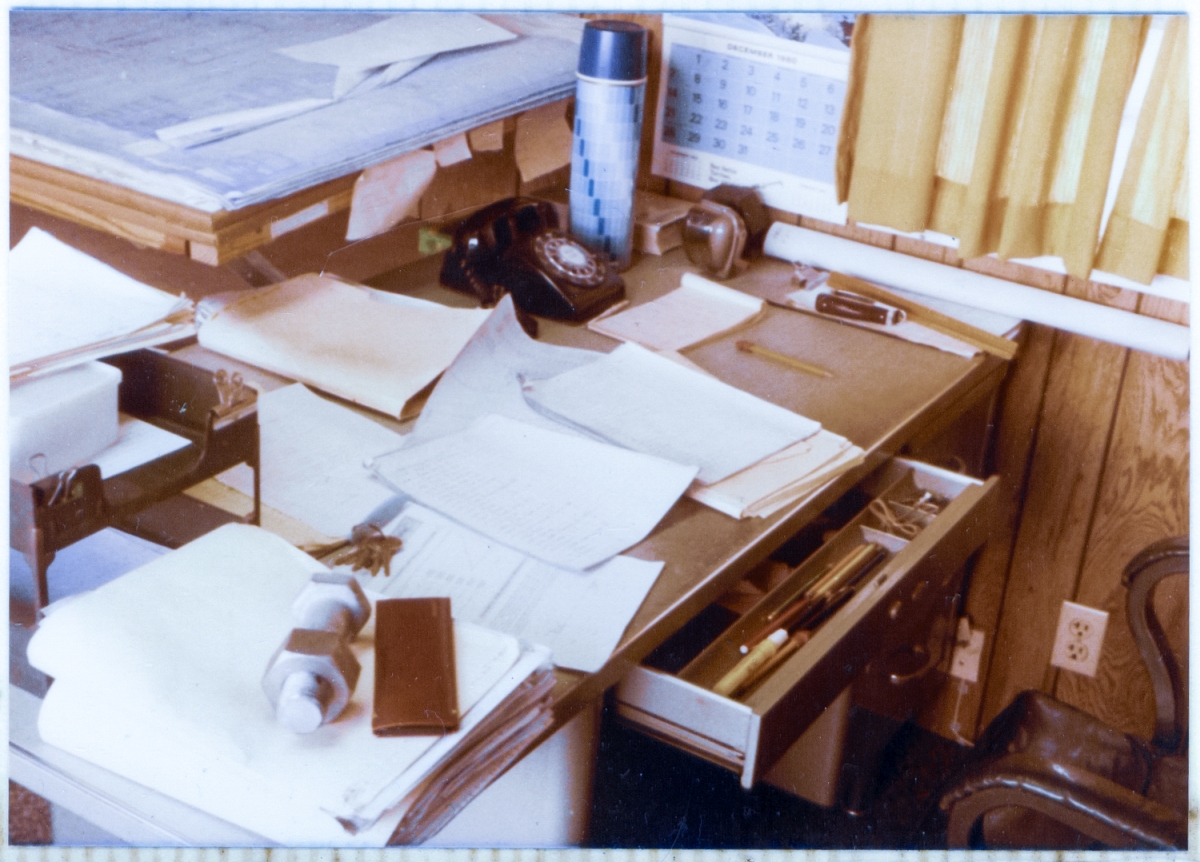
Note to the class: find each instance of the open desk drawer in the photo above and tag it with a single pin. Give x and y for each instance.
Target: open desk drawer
(890, 612)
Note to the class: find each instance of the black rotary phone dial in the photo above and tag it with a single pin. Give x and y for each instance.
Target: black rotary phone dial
(514, 246)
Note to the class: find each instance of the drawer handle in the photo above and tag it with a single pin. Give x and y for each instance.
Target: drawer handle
(920, 651)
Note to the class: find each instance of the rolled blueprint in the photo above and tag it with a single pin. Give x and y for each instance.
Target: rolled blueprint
(903, 271)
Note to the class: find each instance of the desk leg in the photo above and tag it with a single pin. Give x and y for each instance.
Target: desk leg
(39, 560)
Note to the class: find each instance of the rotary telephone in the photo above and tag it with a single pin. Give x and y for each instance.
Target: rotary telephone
(515, 246)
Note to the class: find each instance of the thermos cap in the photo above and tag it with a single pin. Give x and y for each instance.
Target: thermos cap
(613, 50)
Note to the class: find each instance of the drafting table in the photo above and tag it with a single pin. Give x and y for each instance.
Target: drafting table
(96, 159)
(890, 397)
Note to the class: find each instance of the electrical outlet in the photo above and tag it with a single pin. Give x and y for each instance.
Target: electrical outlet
(1079, 638)
(968, 649)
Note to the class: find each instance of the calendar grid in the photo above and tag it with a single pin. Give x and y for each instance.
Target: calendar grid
(734, 111)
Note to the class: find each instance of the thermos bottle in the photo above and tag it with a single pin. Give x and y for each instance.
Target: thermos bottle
(610, 93)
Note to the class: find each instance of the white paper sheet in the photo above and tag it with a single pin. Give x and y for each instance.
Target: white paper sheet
(569, 501)
(644, 402)
(89, 89)
(386, 194)
(372, 348)
(137, 443)
(785, 477)
(408, 40)
(580, 616)
(696, 310)
(172, 699)
(312, 453)
(486, 376)
(60, 299)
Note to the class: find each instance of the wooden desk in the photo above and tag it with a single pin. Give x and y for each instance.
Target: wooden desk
(885, 395)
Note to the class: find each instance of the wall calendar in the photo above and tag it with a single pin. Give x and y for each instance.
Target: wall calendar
(755, 100)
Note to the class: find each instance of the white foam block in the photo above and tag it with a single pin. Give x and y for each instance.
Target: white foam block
(62, 419)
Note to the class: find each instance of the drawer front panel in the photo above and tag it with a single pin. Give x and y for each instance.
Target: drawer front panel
(894, 608)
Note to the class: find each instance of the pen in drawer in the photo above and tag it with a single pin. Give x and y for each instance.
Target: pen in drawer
(813, 601)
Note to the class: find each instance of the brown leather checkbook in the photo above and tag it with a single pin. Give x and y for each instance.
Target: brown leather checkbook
(416, 692)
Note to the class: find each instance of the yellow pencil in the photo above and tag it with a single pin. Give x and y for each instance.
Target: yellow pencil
(751, 347)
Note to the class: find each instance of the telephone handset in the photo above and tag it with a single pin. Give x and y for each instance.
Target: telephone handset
(515, 246)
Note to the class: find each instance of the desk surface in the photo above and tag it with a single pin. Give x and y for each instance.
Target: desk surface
(883, 393)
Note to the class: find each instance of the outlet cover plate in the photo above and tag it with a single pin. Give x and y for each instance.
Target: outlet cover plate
(1079, 638)
(965, 663)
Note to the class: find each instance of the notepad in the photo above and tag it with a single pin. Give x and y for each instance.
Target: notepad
(376, 349)
(697, 310)
(567, 500)
(645, 402)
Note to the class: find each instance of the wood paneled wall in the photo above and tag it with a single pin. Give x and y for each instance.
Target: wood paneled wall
(1092, 446)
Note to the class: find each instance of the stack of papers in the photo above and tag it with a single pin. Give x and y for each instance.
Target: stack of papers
(91, 91)
(567, 500)
(754, 457)
(372, 56)
(172, 700)
(374, 348)
(642, 401)
(65, 308)
(695, 311)
(758, 457)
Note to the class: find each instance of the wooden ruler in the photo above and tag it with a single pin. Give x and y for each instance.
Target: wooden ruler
(944, 323)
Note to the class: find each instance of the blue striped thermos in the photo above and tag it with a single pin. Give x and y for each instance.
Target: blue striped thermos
(610, 92)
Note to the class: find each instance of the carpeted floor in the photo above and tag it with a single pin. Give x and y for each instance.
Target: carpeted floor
(648, 794)
(28, 817)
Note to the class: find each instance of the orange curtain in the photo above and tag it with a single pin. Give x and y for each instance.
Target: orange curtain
(1148, 230)
(1000, 130)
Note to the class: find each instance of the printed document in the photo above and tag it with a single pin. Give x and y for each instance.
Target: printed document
(567, 500)
(645, 402)
(580, 616)
(696, 310)
(373, 348)
(312, 453)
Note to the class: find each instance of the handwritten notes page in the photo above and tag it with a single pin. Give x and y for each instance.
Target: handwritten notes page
(696, 310)
(312, 453)
(580, 616)
(569, 501)
(647, 403)
(375, 349)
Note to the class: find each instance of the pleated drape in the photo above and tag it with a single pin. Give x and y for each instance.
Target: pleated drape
(1147, 231)
(1000, 130)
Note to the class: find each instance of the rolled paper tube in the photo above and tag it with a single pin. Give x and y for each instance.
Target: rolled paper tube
(889, 268)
